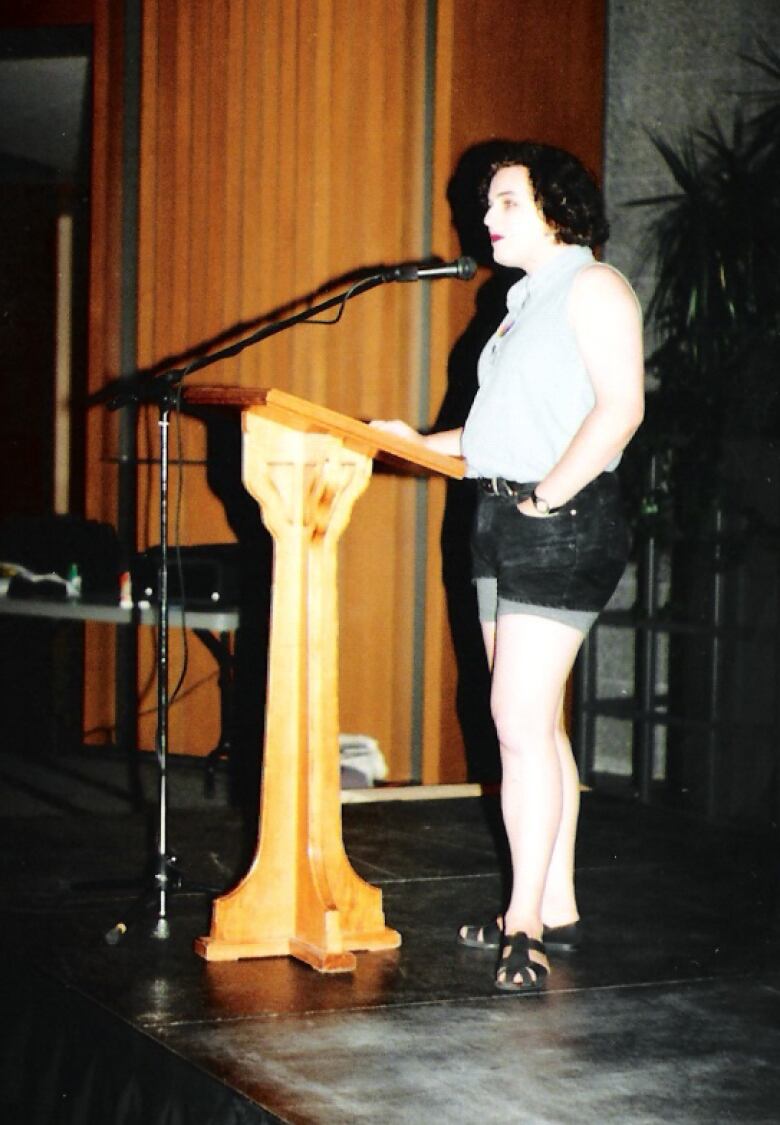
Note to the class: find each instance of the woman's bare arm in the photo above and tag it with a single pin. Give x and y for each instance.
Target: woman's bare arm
(607, 323)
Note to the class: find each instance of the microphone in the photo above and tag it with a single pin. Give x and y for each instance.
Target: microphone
(462, 268)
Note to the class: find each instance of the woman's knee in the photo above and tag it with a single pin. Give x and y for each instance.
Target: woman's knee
(524, 727)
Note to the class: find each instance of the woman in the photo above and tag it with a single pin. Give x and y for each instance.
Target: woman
(560, 395)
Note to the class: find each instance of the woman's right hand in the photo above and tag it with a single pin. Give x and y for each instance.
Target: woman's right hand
(446, 442)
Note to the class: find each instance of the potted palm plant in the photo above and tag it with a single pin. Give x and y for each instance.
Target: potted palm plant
(713, 432)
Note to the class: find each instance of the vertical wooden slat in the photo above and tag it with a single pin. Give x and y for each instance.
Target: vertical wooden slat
(63, 376)
(235, 138)
(439, 735)
(180, 142)
(278, 175)
(104, 335)
(213, 22)
(255, 138)
(148, 186)
(166, 295)
(197, 180)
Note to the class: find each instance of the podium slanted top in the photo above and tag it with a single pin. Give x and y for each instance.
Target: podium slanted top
(300, 414)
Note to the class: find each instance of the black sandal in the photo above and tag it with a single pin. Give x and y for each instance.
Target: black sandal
(482, 937)
(557, 939)
(515, 961)
(563, 939)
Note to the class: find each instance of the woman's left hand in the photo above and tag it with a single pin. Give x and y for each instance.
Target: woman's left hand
(528, 508)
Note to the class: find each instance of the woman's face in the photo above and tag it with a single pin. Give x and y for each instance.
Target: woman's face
(520, 234)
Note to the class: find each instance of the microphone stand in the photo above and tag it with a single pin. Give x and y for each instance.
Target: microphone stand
(164, 875)
(164, 390)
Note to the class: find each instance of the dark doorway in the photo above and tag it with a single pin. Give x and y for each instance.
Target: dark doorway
(45, 115)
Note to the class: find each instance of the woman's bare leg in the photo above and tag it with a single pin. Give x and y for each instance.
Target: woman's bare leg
(559, 905)
(532, 659)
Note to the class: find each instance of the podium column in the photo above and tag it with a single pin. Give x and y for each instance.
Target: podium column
(301, 895)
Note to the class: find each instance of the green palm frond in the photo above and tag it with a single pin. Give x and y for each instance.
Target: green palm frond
(715, 309)
(708, 240)
(770, 63)
(765, 125)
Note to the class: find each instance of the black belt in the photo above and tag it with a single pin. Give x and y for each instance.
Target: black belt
(499, 486)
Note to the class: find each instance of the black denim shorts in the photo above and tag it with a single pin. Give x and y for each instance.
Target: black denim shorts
(572, 559)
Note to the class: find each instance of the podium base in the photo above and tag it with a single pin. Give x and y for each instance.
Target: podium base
(323, 960)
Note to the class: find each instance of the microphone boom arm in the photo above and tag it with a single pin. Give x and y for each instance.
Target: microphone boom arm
(163, 387)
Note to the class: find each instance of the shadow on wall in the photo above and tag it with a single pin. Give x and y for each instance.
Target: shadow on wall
(255, 564)
(465, 197)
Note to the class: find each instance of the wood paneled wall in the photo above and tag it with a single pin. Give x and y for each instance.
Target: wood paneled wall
(281, 147)
(284, 144)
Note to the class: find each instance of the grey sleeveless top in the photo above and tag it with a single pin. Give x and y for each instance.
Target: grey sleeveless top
(534, 389)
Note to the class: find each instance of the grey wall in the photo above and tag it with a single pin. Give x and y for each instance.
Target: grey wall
(670, 65)
(45, 105)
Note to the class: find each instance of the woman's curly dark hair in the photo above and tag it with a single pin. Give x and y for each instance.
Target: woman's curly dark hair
(565, 191)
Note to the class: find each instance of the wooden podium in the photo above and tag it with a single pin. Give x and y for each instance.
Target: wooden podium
(306, 466)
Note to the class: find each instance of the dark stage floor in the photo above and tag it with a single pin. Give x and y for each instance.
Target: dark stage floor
(670, 1013)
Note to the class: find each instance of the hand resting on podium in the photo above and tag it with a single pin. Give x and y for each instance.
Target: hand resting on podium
(446, 442)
